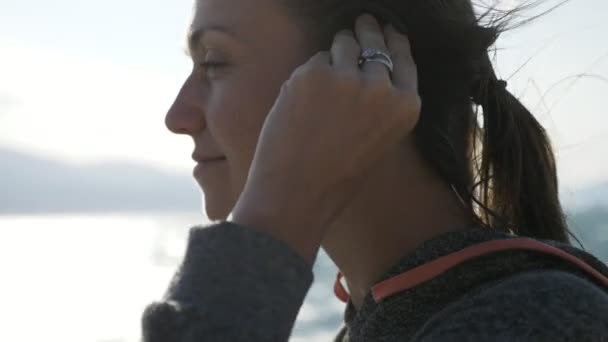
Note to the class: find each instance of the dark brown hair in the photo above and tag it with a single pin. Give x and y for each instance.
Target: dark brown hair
(473, 131)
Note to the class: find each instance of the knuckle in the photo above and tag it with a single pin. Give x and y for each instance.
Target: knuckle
(344, 34)
(318, 74)
(374, 36)
(398, 40)
(402, 54)
(297, 75)
(417, 103)
(367, 27)
(410, 101)
(397, 54)
(378, 85)
(414, 101)
(368, 21)
(410, 106)
(322, 55)
(310, 74)
(347, 80)
(402, 39)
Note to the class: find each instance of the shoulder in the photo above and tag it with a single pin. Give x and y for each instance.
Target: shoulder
(541, 305)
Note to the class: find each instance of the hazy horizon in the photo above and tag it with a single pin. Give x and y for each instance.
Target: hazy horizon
(39, 185)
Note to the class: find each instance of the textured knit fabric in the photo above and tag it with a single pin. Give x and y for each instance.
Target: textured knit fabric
(236, 284)
(507, 296)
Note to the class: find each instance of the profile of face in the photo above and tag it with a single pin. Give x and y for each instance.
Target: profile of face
(242, 51)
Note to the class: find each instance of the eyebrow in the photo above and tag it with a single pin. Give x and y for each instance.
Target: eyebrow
(194, 37)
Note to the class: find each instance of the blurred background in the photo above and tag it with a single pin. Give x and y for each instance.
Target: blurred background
(96, 196)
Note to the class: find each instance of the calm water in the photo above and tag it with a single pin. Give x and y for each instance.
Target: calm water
(88, 278)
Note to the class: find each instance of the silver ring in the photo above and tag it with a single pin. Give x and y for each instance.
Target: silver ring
(375, 55)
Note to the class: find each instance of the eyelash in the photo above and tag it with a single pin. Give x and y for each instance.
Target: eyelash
(207, 65)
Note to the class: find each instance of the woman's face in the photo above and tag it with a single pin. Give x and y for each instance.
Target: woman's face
(256, 46)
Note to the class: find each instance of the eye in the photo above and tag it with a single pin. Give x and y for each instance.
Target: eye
(211, 66)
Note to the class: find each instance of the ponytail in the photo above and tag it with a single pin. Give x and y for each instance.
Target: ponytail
(517, 182)
(510, 182)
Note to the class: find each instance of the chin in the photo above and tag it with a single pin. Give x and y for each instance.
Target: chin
(217, 212)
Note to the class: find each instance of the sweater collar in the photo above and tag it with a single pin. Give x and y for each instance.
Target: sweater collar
(430, 250)
(418, 303)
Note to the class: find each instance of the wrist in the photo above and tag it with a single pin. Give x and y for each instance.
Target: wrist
(282, 218)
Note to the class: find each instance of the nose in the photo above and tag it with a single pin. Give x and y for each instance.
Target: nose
(186, 115)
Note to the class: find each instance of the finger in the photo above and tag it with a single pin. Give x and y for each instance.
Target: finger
(405, 73)
(370, 35)
(319, 62)
(345, 51)
(321, 58)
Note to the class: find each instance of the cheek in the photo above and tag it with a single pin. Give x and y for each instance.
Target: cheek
(235, 118)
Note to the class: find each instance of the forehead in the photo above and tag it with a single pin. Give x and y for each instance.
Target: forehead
(241, 17)
(259, 27)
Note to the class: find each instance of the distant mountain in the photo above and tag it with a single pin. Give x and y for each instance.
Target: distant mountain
(591, 227)
(588, 197)
(30, 184)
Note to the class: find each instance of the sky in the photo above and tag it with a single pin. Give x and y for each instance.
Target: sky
(90, 81)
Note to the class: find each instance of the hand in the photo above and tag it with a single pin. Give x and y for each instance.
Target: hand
(331, 122)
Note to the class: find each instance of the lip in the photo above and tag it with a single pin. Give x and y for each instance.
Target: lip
(206, 165)
(210, 159)
(206, 157)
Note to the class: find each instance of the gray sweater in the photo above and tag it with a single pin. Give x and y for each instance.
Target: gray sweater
(236, 284)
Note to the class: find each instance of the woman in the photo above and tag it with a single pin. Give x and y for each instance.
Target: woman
(379, 160)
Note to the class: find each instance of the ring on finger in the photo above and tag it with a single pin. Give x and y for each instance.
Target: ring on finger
(375, 55)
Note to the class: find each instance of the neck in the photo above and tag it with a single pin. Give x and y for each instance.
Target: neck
(401, 205)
